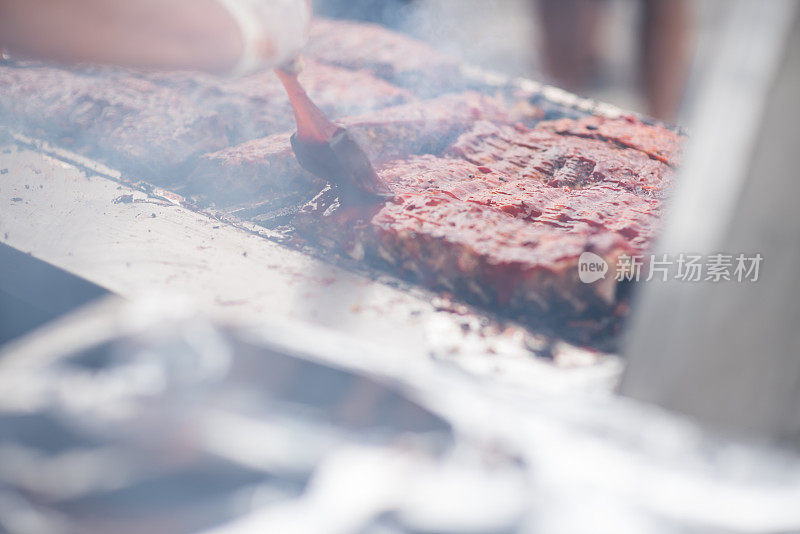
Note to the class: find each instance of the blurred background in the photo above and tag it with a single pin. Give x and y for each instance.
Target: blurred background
(642, 55)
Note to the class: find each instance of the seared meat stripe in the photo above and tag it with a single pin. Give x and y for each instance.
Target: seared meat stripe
(128, 122)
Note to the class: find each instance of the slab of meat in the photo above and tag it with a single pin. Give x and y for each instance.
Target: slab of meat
(499, 221)
(656, 141)
(158, 124)
(251, 172)
(257, 169)
(130, 123)
(474, 249)
(388, 54)
(257, 106)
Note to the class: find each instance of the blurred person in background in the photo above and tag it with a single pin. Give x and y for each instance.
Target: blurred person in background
(569, 38)
(221, 36)
(571, 51)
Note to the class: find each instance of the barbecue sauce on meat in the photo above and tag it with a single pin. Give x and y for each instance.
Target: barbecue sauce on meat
(328, 151)
(503, 215)
(312, 125)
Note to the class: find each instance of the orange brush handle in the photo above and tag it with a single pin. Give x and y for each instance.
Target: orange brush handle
(312, 124)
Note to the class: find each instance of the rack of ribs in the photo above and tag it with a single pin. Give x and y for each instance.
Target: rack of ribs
(159, 124)
(125, 121)
(256, 170)
(503, 216)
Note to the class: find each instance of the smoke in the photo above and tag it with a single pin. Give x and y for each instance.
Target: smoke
(498, 35)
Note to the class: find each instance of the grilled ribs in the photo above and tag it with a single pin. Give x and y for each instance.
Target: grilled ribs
(258, 169)
(158, 124)
(504, 217)
(128, 122)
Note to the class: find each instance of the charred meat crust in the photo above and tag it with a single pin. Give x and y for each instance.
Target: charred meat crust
(655, 141)
(561, 160)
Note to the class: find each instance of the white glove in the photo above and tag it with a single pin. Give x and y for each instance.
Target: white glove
(273, 31)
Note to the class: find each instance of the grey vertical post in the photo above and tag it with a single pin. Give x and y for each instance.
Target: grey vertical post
(728, 353)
